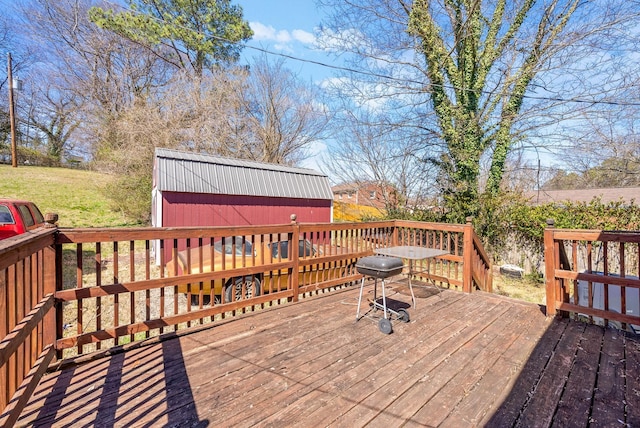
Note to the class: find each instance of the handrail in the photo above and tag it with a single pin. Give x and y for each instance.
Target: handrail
(482, 272)
(121, 289)
(28, 327)
(588, 273)
(339, 246)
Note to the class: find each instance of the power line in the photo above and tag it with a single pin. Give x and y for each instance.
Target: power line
(378, 75)
(448, 87)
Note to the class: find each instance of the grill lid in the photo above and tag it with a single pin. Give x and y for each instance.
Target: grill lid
(379, 266)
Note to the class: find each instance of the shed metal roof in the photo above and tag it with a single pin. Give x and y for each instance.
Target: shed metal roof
(187, 172)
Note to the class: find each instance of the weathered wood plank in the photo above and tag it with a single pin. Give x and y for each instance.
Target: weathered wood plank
(541, 408)
(358, 382)
(574, 408)
(239, 333)
(478, 405)
(340, 358)
(523, 388)
(486, 348)
(461, 357)
(632, 378)
(422, 371)
(464, 369)
(609, 401)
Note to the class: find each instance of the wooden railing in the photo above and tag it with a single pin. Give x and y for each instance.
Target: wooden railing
(114, 288)
(121, 292)
(481, 273)
(27, 318)
(467, 266)
(593, 275)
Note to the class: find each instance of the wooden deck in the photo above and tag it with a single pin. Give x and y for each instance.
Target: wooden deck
(463, 360)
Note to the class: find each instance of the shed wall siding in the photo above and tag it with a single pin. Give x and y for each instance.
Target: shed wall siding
(199, 209)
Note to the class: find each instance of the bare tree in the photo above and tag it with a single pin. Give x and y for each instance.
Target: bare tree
(367, 151)
(218, 113)
(102, 73)
(283, 114)
(54, 117)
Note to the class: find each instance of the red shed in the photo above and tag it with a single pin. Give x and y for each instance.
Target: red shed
(193, 189)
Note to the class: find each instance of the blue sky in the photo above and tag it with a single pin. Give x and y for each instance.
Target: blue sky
(287, 27)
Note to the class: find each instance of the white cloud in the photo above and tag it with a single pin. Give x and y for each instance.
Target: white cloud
(316, 153)
(263, 32)
(283, 47)
(282, 38)
(303, 36)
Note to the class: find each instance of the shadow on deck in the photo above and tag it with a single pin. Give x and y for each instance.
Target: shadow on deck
(463, 360)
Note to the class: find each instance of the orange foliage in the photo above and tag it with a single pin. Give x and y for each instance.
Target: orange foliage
(344, 212)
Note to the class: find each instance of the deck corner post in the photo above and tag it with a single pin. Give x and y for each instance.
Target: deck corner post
(549, 268)
(52, 263)
(467, 254)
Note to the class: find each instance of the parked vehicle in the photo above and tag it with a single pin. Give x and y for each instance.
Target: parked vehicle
(17, 217)
(238, 253)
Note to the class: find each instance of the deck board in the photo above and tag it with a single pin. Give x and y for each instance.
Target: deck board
(463, 360)
(552, 382)
(575, 407)
(608, 402)
(631, 377)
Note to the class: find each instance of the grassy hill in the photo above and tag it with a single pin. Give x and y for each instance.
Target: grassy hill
(75, 195)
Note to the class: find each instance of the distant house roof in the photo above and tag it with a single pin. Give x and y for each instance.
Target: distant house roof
(365, 186)
(606, 195)
(188, 172)
(345, 187)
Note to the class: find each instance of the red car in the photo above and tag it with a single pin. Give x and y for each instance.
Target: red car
(18, 217)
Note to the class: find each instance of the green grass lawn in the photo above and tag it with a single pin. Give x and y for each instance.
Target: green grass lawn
(75, 195)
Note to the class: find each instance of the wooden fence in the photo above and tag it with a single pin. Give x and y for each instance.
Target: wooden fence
(28, 321)
(70, 293)
(593, 275)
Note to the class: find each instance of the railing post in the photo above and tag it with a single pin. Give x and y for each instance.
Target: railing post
(549, 269)
(49, 327)
(52, 278)
(467, 257)
(394, 234)
(295, 259)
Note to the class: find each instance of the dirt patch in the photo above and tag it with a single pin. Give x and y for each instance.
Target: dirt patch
(526, 289)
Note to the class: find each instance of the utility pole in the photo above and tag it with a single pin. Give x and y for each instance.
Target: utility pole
(12, 114)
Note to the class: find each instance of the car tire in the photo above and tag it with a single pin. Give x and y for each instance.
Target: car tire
(242, 289)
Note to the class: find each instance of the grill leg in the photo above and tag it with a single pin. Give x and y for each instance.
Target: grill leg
(384, 300)
(375, 289)
(413, 297)
(360, 298)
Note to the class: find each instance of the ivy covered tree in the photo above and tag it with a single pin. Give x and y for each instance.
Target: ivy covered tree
(463, 55)
(474, 80)
(190, 34)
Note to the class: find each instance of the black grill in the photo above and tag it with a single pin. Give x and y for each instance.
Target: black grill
(379, 266)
